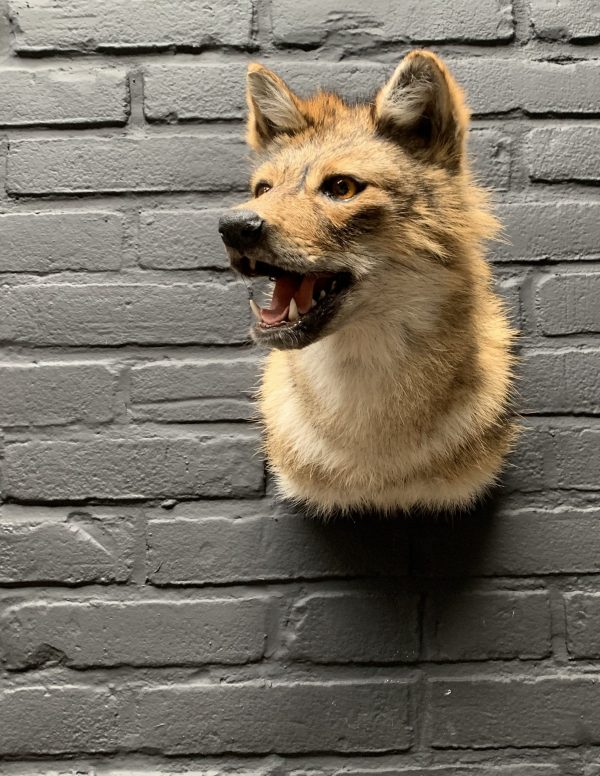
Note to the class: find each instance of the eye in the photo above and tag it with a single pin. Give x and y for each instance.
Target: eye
(261, 188)
(341, 187)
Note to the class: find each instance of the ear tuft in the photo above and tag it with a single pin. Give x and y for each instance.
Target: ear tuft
(273, 108)
(423, 108)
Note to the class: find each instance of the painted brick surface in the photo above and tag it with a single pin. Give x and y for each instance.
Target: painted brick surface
(160, 611)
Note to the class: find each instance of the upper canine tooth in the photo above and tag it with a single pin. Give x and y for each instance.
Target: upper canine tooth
(293, 313)
(252, 264)
(255, 309)
(333, 285)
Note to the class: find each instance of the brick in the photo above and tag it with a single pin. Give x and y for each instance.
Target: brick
(212, 544)
(583, 624)
(564, 153)
(52, 242)
(195, 390)
(116, 164)
(114, 314)
(53, 719)
(207, 463)
(46, 97)
(100, 632)
(491, 154)
(193, 92)
(496, 85)
(486, 626)
(573, 20)
(542, 231)
(509, 544)
(56, 394)
(514, 711)
(181, 239)
(84, 25)
(565, 380)
(327, 716)
(573, 459)
(211, 91)
(566, 303)
(40, 544)
(356, 627)
(485, 769)
(311, 24)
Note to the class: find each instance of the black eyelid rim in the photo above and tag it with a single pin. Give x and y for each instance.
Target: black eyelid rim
(361, 184)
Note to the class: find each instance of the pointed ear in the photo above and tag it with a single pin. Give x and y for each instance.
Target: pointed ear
(423, 108)
(273, 108)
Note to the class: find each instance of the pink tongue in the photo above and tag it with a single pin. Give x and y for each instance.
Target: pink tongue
(286, 288)
(282, 296)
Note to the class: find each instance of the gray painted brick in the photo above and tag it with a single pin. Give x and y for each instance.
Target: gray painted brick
(86, 25)
(486, 626)
(52, 545)
(575, 20)
(84, 165)
(52, 719)
(573, 457)
(567, 303)
(562, 380)
(491, 154)
(100, 632)
(520, 711)
(311, 24)
(481, 769)
(332, 716)
(181, 239)
(114, 314)
(496, 85)
(583, 624)
(509, 544)
(207, 463)
(74, 96)
(52, 242)
(556, 231)
(193, 92)
(356, 627)
(217, 388)
(215, 545)
(56, 394)
(564, 153)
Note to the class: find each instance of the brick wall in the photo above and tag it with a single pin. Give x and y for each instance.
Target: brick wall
(159, 613)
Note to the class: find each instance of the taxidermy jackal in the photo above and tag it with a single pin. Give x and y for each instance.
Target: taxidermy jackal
(388, 380)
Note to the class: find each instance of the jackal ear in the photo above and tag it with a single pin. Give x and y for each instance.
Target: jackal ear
(273, 108)
(423, 108)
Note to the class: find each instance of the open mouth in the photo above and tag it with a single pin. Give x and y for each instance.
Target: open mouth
(300, 307)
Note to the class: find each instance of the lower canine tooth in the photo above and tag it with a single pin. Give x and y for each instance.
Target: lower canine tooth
(255, 309)
(313, 303)
(293, 313)
(322, 295)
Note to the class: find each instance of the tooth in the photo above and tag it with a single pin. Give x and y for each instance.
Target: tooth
(255, 309)
(313, 303)
(333, 285)
(252, 264)
(293, 313)
(322, 295)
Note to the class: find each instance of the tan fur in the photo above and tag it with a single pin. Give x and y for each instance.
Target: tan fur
(404, 402)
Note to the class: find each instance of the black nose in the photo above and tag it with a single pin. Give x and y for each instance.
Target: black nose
(241, 229)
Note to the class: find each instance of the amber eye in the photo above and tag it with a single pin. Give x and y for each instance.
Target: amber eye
(261, 188)
(341, 187)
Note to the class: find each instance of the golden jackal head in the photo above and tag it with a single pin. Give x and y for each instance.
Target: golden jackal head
(355, 207)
